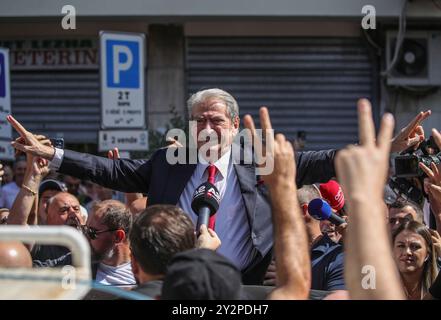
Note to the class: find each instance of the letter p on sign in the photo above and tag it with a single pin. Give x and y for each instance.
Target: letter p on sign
(122, 64)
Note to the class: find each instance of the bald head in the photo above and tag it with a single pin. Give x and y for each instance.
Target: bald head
(64, 209)
(14, 255)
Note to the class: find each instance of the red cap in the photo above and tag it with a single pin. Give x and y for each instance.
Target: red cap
(333, 194)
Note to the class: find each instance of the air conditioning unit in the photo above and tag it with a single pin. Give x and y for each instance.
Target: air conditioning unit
(419, 60)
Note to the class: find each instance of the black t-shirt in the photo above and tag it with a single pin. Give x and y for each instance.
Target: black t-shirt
(50, 256)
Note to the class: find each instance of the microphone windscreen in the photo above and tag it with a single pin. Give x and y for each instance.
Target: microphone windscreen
(206, 195)
(319, 209)
(331, 191)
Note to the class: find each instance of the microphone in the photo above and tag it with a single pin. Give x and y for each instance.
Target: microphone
(206, 200)
(321, 210)
(333, 194)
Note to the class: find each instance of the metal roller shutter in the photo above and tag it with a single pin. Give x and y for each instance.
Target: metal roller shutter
(309, 84)
(58, 103)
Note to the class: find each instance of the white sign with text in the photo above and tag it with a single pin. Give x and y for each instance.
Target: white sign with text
(122, 80)
(128, 140)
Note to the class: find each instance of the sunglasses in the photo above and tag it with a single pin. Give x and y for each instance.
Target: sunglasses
(401, 220)
(93, 233)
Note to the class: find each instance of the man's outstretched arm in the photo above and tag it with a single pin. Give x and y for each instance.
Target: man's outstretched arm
(123, 175)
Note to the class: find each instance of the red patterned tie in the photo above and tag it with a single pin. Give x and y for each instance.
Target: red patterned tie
(212, 171)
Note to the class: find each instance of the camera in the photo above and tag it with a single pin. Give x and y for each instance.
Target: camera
(403, 188)
(407, 163)
(408, 181)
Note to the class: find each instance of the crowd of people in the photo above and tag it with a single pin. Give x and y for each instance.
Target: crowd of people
(264, 239)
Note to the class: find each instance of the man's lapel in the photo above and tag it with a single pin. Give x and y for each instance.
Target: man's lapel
(179, 176)
(247, 181)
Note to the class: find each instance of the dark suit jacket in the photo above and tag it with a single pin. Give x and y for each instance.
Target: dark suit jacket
(164, 183)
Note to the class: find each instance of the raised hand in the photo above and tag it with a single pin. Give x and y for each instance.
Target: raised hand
(410, 135)
(29, 143)
(113, 154)
(362, 170)
(436, 239)
(433, 173)
(36, 167)
(432, 184)
(275, 158)
(284, 163)
(263, 144)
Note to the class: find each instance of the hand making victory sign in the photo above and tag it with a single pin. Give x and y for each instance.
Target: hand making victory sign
(263, 144)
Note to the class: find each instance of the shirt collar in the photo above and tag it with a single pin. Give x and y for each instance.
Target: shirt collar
(221, 164)
(323, 244)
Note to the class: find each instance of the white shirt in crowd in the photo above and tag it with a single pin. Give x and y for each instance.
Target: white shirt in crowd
(116, 276)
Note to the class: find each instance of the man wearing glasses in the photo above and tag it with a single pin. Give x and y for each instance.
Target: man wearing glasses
(107, 230)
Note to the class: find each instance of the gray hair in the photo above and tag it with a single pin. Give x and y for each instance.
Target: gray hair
(116, 215)
(307, 193)
(201, 96)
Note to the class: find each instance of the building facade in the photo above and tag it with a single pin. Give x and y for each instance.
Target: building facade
(307, 61)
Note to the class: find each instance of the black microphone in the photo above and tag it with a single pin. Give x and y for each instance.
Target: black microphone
(321, 210)
(206, 200)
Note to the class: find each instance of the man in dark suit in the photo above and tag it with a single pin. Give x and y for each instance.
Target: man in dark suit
(243, 220)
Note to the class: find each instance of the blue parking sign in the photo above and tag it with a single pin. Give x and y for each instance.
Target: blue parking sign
(2, 75)
(122, 64)
(122, 73)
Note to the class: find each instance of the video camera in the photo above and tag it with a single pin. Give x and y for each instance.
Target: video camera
(403, 188)
(407, 163)
(407, 183)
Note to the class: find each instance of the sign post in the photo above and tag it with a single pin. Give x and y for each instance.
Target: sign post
(6, 150)
(122, 90)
